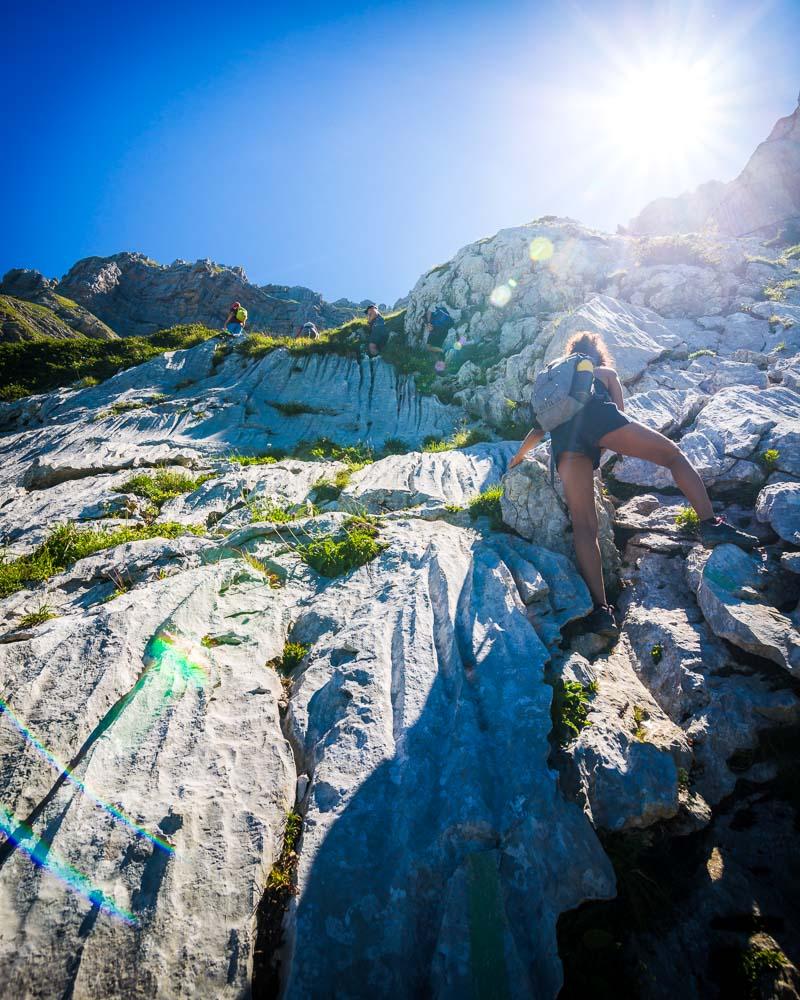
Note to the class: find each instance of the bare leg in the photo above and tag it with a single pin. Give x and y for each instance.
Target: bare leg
(577, 477)
(639, 441)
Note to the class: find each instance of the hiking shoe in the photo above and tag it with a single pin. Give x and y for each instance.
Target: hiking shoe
(602, 622)
(715, 531)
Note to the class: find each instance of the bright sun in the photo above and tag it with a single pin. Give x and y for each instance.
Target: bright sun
(662, 110)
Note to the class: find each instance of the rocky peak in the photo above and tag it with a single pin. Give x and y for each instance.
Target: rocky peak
(762, 200)
(136, 295)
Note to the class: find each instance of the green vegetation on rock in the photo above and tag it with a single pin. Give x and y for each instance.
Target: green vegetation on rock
(333, 556)
(570, 708)
(38, 617)
(49, 362)
(462, 438)
(161, 486)
(687, 520)
(293, 653)
(769, 459)
(67, 543)
(487, 504)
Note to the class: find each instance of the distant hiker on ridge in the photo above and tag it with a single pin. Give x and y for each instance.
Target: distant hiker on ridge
(578, 398)
(308, 329)
(237, 317)
(376, 331)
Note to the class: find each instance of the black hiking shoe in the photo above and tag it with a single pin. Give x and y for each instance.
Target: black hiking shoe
(715, 531)
(602, 622)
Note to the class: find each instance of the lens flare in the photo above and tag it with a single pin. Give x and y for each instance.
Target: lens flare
(171, 664)
(541, 249)
(41, 854)
(500, 296)
(439, 366)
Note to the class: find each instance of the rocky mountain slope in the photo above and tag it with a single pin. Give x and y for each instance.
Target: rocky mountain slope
(294, 687)
(30, 308)
(135, 296)
(764, 199)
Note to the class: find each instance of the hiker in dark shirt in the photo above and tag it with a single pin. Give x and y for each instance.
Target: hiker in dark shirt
(376, 336)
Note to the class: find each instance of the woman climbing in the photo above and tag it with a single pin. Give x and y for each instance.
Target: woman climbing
(576, 446)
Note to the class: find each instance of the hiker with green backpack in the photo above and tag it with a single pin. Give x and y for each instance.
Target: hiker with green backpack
(578, 399)
(237, 317)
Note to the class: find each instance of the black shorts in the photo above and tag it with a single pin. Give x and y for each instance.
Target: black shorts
(582, 433)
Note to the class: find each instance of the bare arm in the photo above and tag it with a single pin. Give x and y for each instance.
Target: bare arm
(611, 381)
(532, 438)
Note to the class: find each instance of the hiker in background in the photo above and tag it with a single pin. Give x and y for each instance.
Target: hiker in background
(438, 323)
(376, 335)
(597, 420)
(237, 317)
(308, 329)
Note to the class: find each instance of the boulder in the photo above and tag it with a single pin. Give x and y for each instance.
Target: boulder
(635, 336)
(779, 505)
(536, 510)
(624, 764)
(727, 584)
(430, 478)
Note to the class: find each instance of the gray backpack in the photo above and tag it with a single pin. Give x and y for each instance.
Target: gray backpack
(561, 390)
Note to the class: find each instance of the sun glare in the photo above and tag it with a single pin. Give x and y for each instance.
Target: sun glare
(662, 110)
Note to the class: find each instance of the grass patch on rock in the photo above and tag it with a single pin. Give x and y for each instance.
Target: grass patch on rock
(161, 486)
(38, 617)
(462, 438)
(569, 709)
(50, 362)
(487, 504)
(67, 544)
(336, 554)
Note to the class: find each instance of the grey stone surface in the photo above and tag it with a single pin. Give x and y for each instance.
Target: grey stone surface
(536, 510)
(410, 682)
(437, 478)
(727, 585)
(779, 505)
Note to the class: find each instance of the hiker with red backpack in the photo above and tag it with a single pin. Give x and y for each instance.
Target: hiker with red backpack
(578, 399)
(236, 319)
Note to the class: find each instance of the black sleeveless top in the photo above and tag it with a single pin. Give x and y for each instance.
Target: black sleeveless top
(598, 417)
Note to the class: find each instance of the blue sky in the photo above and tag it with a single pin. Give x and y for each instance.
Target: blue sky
(351, 146)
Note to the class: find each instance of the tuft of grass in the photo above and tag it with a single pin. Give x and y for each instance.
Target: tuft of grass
(67, 543)
(462, 438)
(281, 880)
(705, 352)
(333, 556)
(395, 446)
(38, 617)
(162, 486)
(769, 459)
(683, 778)
(454, 508)
(777, 291)
(487, 504)
(569, 709)
(271, 510)
(785, 321)
(331, 489)
(780, 346)
(657, 653)
(268, 459)
(261, 567)
(293, 653)
(687, 520)
(355, 456)
(292, 409)
(755, 961)
(640, 716)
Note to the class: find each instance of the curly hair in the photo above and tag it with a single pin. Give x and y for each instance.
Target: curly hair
(592, 345)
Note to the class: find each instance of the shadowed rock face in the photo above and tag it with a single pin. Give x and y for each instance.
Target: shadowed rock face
(763, 198)
(135, 295)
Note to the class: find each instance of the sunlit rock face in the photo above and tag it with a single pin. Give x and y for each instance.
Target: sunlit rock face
(763, 198)
(446, 735)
